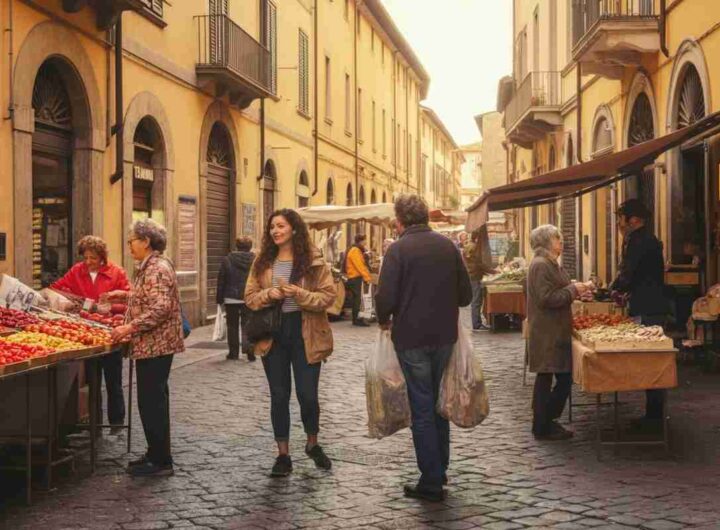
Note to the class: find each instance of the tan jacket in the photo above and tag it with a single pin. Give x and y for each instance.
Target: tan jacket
(317, 293)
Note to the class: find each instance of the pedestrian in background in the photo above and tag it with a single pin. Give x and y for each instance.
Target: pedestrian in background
(291, 272)
(357, 272)
(423, 283)
(92, 279)
(232, 278)
(154, 326)
(550, 297)
(474, 256)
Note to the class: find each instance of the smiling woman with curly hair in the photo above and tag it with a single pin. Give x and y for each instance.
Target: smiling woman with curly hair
(291, 272)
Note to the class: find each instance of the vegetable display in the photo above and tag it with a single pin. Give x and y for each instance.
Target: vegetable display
(589, 321)
(11, 352)
(627, 332)
(12, 318)
(73, 331)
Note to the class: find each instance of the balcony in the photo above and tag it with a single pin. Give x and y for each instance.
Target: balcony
(610, 35)
(534, 109)
(109, 10)
(231, 63)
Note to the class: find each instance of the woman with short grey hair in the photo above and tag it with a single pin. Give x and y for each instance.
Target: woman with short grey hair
(550, 297)
(154, 325)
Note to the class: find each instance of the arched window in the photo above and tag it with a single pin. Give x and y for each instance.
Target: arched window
(268, 190)
(330, 192)
(691, 103)
(642, 129)
(147, 147)
(303, 190)
(602, 135)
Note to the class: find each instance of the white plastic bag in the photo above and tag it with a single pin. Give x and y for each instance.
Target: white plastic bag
(463, 397)
(385, 389)
(367, 311)
(220, 329)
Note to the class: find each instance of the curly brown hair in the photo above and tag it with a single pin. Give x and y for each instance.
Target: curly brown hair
(302, 248)
(93, 244)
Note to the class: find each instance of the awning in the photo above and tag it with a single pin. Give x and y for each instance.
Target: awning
(445, 216)
(589, 176)
(322, 217)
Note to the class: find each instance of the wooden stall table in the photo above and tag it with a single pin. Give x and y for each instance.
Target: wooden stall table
(504, 299)
(602, 372)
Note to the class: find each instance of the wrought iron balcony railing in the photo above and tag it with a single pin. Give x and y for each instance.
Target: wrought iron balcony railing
(538, 90)
(588, 13)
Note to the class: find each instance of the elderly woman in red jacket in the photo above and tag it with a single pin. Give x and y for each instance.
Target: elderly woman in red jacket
(90, 279)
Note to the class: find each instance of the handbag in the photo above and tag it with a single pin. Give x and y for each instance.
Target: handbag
(187, 329)
(262, 323)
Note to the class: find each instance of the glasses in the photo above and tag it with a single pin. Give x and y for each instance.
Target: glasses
(130, 241)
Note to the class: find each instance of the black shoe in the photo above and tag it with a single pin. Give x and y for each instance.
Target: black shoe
(444, 479)
(319, 457)
(554, 433)
(232, 357)
(416, 492)
(140, 461)
(148, 469)
(282, 467)
(251, 357)
(117, 429)
(361, 323)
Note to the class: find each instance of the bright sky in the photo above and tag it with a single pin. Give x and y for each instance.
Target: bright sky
(466, 47)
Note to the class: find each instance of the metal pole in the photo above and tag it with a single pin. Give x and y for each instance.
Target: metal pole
(130, 394)
(28, 444)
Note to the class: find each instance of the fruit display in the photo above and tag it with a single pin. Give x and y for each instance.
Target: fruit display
(73, 331)
(627, 332)
(106, 320)
(12, 352)
(590, 321)
(12, 318)
(30, 338)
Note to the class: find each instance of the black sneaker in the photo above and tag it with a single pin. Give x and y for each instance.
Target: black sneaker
(416, 492)
(555, 433)
(319, 457)
(282, 467)
(140, 461)
(232, 357)
(251, 357)
(148, 469)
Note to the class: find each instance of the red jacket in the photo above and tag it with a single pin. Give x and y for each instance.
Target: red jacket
(77, 281)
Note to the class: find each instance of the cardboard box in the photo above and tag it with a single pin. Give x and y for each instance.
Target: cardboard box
(682, 278)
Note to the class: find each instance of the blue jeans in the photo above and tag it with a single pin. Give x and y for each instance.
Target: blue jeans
(477, 303)
(288, 350)
(423, 369)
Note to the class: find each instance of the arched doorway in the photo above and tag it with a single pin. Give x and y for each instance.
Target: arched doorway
(689, 213)
(330, 192)
(53, 184)
(269, 183)
(219, 210)
(147, 200)
(603, 203)
(641, 129)
(303, 190)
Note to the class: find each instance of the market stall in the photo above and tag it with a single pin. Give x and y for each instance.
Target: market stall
(612, 354)
(505, 293)
(37, 347)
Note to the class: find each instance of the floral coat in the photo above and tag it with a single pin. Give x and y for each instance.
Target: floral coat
(154, 310)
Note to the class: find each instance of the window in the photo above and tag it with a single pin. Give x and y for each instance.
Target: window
(398, 156)
(303, 190)
(303, 74)
(328, 90)
(374, 128)
(359, 115)
(410, 157)
(392, 131)
(384, 134)
(155, 6)
(269, 31)
(330, 192)
(348, 98)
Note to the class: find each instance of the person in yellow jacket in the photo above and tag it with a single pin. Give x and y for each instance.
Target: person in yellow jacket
(357, 271)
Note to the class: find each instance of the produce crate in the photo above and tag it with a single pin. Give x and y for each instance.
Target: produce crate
(682, 278)
(666, 344)
(4, 332)
(599, 308)
(7, 369)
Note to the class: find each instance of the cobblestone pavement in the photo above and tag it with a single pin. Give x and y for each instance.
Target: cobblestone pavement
(500, 477)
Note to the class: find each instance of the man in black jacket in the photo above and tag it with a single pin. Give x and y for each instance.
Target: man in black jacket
(641, 277)
(423, 283)
(232, 278)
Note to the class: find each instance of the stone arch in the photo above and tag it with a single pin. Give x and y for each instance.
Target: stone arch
(603, 114)
(51, 41)
(302, 191)
(143, 106)
(330, 186)
(640, 85)
(568, 150)
(689, 53)
(217, 112)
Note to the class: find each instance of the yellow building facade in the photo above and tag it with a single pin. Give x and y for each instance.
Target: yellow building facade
(646, 69)
(440, 164)
(210, 115)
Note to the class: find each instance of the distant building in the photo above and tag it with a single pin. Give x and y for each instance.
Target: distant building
(471, 174)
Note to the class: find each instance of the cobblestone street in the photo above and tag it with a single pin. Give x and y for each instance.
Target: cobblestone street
(500, 477)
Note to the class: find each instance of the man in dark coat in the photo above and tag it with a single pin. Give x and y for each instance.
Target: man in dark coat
(232, 278)
(423, 283)
(641, 277)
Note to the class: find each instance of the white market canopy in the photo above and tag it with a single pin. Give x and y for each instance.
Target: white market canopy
(322, 217)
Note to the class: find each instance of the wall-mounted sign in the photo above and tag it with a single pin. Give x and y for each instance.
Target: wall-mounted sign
(248, 219)
(187, 228)
(143, 173)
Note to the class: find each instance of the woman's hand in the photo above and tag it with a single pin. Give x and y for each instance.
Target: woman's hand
(121, 332)
(276, 294)
(290, 290)
(115, 297)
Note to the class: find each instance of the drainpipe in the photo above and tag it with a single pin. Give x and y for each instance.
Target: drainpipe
(663, 28)
(9, 31)
(317, 98)
(117, 129)
(355, 75)
(579, 112)
(395, 120)
(262, 140)
(407, 131)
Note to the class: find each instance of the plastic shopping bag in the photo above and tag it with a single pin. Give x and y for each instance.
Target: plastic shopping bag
(463, 397)
(385, 389)
(220, 329)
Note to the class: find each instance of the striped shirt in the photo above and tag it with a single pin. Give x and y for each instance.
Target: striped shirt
(283, 270)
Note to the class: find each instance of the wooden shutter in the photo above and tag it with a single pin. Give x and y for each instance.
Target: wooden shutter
(303, 77)
(567, 224)
(270, 40)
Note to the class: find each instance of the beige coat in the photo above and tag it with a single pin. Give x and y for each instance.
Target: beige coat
(316, 294)
(550, 297)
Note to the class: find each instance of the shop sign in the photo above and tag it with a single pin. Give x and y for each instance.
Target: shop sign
(143, 173)
(187, 228)
(248, 219)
